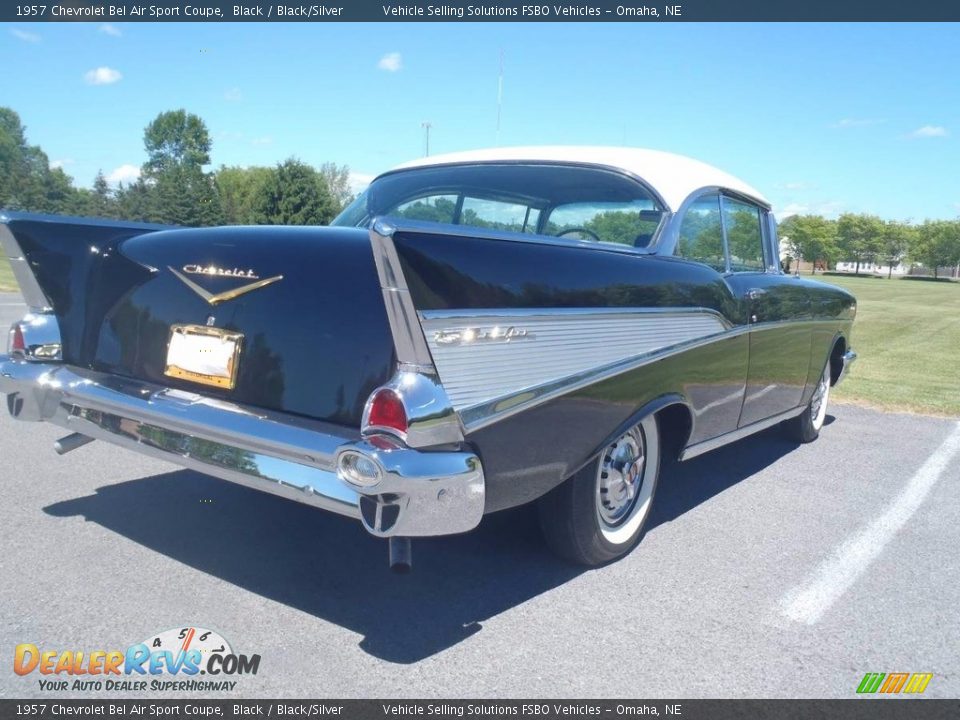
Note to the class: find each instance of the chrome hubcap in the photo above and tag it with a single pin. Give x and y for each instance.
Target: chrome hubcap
(818, 398)
(620, 477)
(818, 404)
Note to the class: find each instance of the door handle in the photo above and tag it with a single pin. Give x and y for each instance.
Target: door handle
(755, 293)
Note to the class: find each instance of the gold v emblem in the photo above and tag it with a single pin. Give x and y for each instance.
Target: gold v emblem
(214, 299)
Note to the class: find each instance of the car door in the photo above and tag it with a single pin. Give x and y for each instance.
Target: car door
(779, 355)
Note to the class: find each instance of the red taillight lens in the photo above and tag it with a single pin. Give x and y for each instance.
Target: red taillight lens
(17, 344)
(386, 411)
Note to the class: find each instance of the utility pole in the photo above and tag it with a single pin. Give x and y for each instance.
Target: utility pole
(426, 125)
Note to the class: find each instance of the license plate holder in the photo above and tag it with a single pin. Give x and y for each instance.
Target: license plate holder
(204, 355)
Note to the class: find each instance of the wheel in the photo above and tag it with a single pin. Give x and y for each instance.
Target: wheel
(598, 514)
(806, 427)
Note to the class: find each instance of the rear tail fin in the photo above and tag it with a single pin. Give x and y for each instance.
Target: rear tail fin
(70, 272)
(52, 255)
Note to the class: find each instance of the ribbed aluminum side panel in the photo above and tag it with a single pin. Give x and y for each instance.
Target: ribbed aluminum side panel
(556, 346)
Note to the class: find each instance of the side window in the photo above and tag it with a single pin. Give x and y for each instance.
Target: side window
(624, 223)
(499, 214)
(701, 233)
(744, 236)
(434, 208)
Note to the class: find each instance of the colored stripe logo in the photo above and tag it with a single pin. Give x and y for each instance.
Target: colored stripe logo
(893, 683)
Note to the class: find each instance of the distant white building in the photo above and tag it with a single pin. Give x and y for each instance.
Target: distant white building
(872, 268)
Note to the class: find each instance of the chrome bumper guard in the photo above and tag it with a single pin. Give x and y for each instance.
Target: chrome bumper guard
(419, 492)
(847, 360)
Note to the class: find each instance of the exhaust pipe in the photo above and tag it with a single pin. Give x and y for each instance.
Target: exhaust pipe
(401, 555)
(71, 442)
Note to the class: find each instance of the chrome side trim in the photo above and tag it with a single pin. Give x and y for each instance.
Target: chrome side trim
(408, 338)
(34, 296)
(500, 354)
(481, 416)
(713, 443)
(524, 313)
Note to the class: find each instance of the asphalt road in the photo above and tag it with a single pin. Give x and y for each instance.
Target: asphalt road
(769, 570)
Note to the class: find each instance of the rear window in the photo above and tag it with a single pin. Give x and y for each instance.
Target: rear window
(577, 203)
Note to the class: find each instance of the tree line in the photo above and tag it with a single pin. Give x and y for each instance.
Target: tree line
(173, 187)
(860, 239)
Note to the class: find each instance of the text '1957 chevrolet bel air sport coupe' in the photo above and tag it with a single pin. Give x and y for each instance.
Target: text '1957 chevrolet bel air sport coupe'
(474, 332)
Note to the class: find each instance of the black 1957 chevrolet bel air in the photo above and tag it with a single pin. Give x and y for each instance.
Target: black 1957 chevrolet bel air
(476, 331)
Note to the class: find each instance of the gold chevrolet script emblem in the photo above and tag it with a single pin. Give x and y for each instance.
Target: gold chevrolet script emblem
(216, 298)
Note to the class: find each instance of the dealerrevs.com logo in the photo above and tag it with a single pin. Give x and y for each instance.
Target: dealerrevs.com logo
(172, 661)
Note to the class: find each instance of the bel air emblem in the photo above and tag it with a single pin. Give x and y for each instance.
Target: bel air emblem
(215, 298)
(473, 336)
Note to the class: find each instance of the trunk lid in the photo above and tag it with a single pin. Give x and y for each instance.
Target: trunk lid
(307, 302)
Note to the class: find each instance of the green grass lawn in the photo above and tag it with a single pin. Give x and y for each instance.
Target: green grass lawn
(7, 283)
(907, 334)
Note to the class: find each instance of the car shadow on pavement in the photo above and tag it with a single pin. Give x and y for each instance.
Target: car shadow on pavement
(684, 486)
(330, 567)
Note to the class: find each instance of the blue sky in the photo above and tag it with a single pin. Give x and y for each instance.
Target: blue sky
(821, 118)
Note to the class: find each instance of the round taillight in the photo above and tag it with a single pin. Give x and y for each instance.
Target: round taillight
(387, 411)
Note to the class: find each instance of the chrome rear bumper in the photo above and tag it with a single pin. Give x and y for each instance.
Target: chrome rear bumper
(419, 493)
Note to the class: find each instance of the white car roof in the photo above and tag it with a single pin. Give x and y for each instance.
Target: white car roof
(675, 177)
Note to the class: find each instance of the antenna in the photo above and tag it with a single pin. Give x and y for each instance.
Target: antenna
(499, 97)
(426, 125)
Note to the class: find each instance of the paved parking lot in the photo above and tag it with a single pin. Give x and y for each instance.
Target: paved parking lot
(769, 570)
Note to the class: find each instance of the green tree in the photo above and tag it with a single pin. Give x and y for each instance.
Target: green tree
(896, 240)
(293, 194)
(238, 188)
(27, 182)
(179, 191)
(859, 238)
(175, 138)
(811, 238)
(101, 202)
(337, 178)
(937, 244)
(136, 201)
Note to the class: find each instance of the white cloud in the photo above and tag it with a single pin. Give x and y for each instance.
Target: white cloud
(265, 140)
(795, 186)
(125, 173)
(108, 29)
(391, 62)
(25, 36)
(61, 163)
(827, 208)
(857, 122)
(357, 182)
(929, 131)
(233, 94)
(102, 76)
